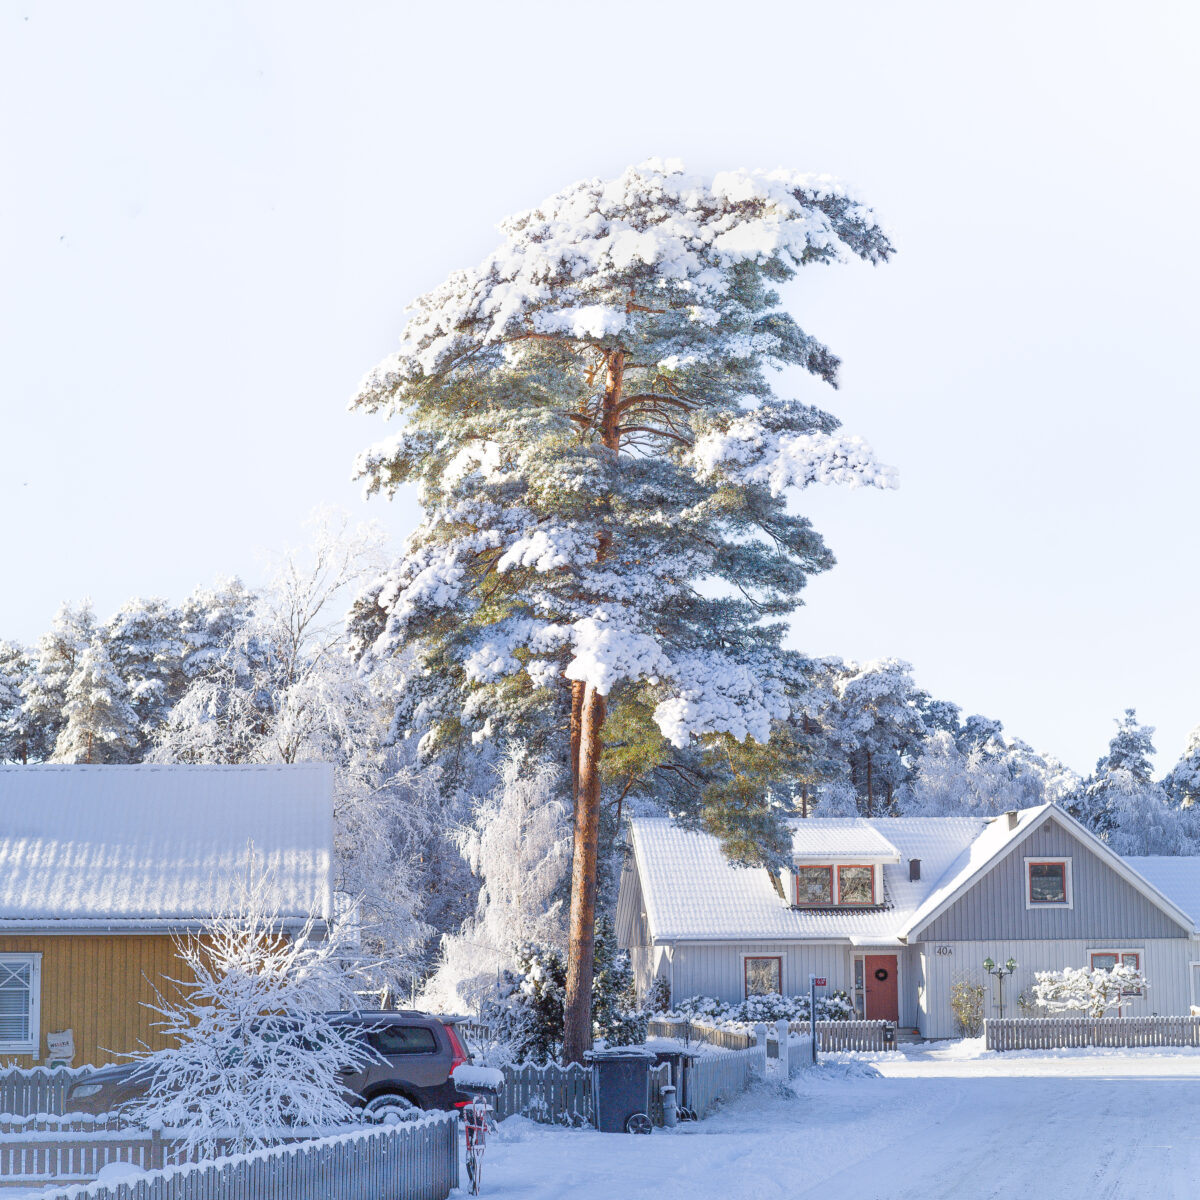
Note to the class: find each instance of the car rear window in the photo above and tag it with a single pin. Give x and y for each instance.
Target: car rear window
(403, 1039)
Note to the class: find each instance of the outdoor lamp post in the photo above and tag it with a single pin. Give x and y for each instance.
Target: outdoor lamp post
(1000, 972)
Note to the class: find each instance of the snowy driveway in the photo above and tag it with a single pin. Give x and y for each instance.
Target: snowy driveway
(1117, 1125)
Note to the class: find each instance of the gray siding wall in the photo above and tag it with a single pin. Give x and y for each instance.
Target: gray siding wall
(1105, 906)
(631, 926)
(715, 969)
(1165, 962)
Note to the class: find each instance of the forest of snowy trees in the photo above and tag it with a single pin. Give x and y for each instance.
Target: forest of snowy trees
(589, 620)
(463, 858)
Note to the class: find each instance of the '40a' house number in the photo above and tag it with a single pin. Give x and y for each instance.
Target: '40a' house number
(944, 950)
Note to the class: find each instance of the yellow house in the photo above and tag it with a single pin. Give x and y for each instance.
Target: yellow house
(102, 868)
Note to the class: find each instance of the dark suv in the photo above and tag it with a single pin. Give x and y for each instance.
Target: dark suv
(416, 1053)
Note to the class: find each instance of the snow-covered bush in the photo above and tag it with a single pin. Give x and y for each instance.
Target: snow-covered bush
(836, 1006)
(1086, 989)
(252, 1046)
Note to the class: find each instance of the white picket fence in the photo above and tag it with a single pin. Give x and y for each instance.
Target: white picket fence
(412, 1161)
(1060, 1033)
(716, 1078)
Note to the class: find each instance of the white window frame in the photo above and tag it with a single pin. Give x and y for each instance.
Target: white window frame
(1051, 905)
(1140, 951)
(1193, 975)
(33, 1044)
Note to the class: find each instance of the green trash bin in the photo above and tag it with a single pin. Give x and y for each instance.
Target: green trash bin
(621, 1089)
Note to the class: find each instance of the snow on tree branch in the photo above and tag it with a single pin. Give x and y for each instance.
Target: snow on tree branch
(748, 453)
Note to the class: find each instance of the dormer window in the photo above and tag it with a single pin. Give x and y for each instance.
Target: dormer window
(814, 886)
(836, 885)
(856, 885)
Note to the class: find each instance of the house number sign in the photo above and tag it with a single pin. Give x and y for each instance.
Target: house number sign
(944, 950)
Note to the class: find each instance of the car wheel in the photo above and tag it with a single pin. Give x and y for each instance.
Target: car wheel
(390, 1110)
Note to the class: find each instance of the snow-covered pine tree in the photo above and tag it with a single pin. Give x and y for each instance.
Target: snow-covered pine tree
(145, 642)
(16, 735)
(1183, 781)
(101, 726)
(603, 466)
(875, 717)
(54, 661)
(1126, 765)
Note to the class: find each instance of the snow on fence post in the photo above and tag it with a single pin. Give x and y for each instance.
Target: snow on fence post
(760, 1036)
(781, 1036)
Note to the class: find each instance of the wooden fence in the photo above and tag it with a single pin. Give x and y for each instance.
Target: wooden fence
(1059, 1033)
(40, 1090)
(411, 1161)
(849, 1035)
(554, 1095)
(698, 1031)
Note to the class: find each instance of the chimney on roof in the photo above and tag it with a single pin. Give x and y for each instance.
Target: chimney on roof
(914, 869)
(1013, 817)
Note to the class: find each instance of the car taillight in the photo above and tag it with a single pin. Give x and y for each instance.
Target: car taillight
(456, 1048)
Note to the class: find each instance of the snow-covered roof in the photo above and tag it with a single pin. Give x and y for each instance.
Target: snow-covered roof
(994, 838)
(832, 838)
(157, 846)
(692, 893)
(1177, 877)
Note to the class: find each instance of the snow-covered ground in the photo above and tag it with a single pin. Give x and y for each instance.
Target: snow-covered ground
(937, 1121)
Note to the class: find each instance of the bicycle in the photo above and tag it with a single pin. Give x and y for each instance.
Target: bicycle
(475, 1124)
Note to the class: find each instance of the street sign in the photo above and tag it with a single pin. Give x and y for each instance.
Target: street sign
(819, 981)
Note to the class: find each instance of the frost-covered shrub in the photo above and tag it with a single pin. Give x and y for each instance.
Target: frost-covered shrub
(836, 1006)
(966, 1002)
(1090, 990)
(658, 998)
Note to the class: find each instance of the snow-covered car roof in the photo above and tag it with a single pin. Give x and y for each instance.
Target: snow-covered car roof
(691, 892)
(153, 846)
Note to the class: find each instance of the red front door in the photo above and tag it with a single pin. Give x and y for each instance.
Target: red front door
(879, 977)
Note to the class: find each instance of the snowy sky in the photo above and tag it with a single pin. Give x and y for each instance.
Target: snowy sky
(212, 216)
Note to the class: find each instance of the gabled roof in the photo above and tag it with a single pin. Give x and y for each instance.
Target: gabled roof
(1177, 877)
(691, 892)
(999, 838)
(147, 847)
(832, 838)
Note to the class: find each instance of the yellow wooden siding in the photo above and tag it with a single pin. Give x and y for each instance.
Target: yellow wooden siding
(98, 985)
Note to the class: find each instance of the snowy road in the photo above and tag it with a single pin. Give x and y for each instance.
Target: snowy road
(1120, 1125)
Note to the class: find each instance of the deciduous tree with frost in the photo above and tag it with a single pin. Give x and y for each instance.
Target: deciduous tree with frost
(519, 845)
(604, 467)
(252, 1048)
(1093, 991)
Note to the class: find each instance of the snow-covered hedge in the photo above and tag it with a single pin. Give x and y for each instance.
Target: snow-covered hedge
(835, 1007)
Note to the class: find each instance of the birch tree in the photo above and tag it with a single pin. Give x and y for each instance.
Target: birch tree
(604, 467)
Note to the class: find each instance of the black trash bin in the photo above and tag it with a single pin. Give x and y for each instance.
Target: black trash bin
(680, 1061)
(621, 1089)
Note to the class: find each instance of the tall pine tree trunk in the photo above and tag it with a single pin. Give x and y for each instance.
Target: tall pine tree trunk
(586, 749)
(577, 1034)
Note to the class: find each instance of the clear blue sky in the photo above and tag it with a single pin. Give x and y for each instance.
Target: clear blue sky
(212, 216)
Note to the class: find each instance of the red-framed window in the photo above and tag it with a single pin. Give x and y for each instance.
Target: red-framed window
(1048, 882)
(856, 885)
(1105, 960)
(763, 975)
(814, 886)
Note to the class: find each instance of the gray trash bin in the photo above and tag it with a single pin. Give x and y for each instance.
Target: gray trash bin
(621, 1089)
(680, 1061)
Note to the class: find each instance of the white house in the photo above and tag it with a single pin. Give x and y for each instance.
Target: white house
(895, 910)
